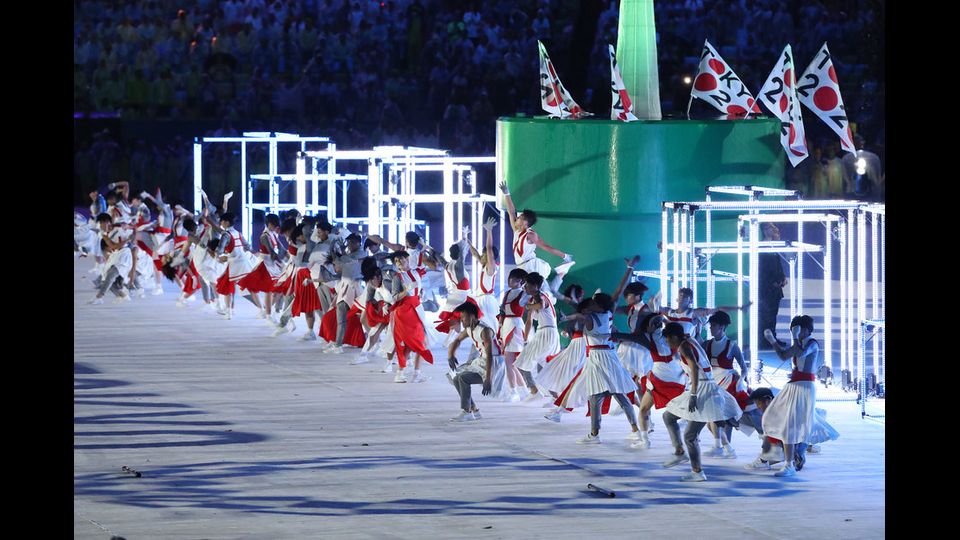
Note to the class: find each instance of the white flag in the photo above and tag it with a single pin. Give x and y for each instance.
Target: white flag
(551, 88)
(622, 106)
(819, 90)
(779, 96)
(718, 85)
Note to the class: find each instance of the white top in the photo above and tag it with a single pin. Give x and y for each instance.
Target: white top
(487, 282)
(523, 249)
(686, 319)
(635, 313)
(702, 363)
(547, 316)
(600, 334)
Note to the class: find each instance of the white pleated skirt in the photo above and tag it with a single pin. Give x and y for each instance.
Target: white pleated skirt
(790, 416)
(713, 404)
(490, 308)
(635, 359)
(603, 372)
(545, 342)
(557, 374)
(821, 431)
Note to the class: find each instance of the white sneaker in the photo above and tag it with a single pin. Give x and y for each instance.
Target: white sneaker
(181, 303)
(261, 314)
(757, 465)
(419, 377)
(157, 291)
(141, 293)
(676, 460)
(336, 349)
(229, 315)
(641, 444)
(554, 416)
(390, 367)
(589, 439)
(401, 379)
(211, 306)
(531, 397)
(309, 336)
(813, 449)
(362, 359)
(694, 477)
(787, 470)
(192, 298)
(514, 397)
(221, 311)
(273, 319)
(633, 436)
(476, 415)
(563, 268)
(464, 416)
(714, 452)
(729, 453)
(95, 301)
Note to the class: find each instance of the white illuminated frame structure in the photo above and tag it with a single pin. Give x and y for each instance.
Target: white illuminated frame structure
(392, 195)
(862, 222)
(248, 183)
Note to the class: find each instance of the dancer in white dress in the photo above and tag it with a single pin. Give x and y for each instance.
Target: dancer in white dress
(689, 317)
(526, 241)
(545, 342)
(724, 353)
(790, 416)
(701, 402)
(603, 375)
(489, 262)
(510, 329)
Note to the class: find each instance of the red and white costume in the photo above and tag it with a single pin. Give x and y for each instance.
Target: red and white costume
(409, 328)
(239, 262)
(510, 328)
(691, 324)
(666, 379)
(457, 293)
(714, 404)
(791, 415)
(603, 371)
(722, 360)
(545, 342)
(635, 357)
(479, 363)
(525, 254)
(486, 299)
(561, 370)
(265, 272)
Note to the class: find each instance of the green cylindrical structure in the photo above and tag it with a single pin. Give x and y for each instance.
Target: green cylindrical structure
(597, 185)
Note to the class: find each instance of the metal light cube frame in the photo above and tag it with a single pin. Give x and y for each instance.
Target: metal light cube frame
(247, 184)
(684, 250)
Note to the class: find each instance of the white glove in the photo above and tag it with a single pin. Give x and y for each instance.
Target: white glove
(795, 331)
(567, 258)
(490, 224)
(466, 231)
(306, 282)
(768, 334)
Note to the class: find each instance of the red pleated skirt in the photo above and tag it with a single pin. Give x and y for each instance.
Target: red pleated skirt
(305, 297)
(408, 333)
(259, 280)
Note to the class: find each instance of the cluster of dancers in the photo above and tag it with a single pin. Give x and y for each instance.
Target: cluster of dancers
(371, 295)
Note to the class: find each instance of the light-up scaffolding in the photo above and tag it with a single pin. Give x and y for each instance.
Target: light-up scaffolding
(846, 222)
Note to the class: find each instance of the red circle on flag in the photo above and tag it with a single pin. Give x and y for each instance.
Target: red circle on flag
(736, 109)
(787, 78)
(826, 99)
(705, 82)
(832, 74)
(793, 134)
(717, 66)
(783, 103)
(797, 153)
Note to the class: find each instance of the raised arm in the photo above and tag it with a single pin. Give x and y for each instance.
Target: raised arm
(538, 240)
(511, 210)
(488, 244)
(386, 243)
(631, 263)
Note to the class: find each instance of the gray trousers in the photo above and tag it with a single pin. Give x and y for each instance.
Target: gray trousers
(690, 436)
(326, 298)
(596, 401)
(462, 382)
(113, 281)
(342, 309)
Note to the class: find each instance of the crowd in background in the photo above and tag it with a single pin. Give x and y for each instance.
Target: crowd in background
(420, 72)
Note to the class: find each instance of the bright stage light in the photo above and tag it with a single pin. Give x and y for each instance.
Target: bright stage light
(687, 80)
(861, 166)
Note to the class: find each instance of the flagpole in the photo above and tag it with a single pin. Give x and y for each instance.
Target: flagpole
(689, 103)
